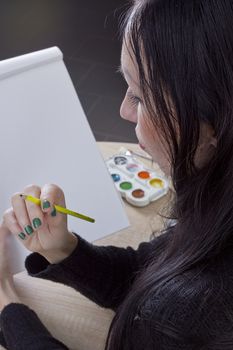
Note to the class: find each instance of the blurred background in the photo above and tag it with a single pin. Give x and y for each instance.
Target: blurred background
(87, 32)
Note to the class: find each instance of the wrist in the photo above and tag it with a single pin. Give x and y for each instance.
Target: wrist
(56, 256)
(8, 294)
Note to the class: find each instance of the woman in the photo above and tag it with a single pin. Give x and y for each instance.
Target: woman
(174, 292)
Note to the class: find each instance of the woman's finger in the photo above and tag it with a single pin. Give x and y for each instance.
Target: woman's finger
(4, 230)
(34, 211)
(28, 214)
(21, 213)
(11, 223)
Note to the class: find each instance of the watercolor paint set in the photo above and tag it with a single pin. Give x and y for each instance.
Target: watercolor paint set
(136, 183)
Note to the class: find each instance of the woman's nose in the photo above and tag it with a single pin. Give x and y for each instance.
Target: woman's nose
(128, 112)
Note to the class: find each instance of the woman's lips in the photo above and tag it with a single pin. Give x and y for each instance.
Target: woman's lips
(142, 147)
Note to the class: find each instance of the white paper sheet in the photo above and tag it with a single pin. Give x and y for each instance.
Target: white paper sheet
(45, 138)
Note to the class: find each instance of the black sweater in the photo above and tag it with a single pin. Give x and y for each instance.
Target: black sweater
(105, 274)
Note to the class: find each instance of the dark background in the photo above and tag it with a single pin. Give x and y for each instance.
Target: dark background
(88, 35)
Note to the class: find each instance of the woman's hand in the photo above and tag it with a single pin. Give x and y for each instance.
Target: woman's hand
(8, 293)
(41, 229)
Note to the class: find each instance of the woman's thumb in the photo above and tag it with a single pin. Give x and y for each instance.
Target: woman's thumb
(51, 195)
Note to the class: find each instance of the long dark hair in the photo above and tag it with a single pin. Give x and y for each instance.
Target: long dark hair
(184, 50)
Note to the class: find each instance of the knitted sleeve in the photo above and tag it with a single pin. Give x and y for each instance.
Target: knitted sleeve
(22, 329)
(102, 274)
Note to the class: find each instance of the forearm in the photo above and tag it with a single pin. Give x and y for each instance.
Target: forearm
(103, 274)
(8, 294)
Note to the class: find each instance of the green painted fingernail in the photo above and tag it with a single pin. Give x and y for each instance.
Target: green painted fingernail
(22, 235)
(46, 204)
(54, 212)
(36, 222)
(28, 229)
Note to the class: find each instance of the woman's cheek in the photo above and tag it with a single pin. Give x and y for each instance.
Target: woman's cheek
(128, 112)
(143, 130)
(150, 138)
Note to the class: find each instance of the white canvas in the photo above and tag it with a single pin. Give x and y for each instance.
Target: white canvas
(45, 138)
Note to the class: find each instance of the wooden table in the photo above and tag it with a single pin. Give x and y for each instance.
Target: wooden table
(143, 221)
(68, 315)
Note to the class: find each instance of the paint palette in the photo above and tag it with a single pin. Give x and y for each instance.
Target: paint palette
(136, 183)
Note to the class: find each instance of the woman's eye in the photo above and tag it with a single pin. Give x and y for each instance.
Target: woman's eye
(134, 100)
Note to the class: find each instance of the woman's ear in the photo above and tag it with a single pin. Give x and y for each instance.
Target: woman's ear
(207, 145)
(208, 135)
(213, 142)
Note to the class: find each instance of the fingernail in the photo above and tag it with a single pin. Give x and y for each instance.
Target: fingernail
(46, 204)
(36, 222)
(28, 229)
(54, 212)
(22, 235)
